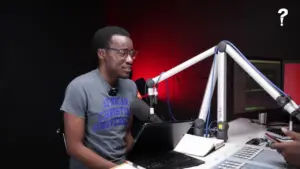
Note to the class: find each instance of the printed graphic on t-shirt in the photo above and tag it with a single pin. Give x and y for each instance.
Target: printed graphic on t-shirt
(116, 113)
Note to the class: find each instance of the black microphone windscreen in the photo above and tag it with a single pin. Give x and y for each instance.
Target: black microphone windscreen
(140, 109)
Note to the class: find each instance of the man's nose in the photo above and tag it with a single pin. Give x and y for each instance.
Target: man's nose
(129, 59)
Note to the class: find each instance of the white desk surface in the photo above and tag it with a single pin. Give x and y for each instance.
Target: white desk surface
(240, 131)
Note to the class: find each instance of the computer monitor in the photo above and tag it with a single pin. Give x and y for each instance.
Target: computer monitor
(291, 82)
(249, 97)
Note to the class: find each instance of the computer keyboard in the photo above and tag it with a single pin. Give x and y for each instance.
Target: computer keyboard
(253, 157)
(167, 160)
(247, 153)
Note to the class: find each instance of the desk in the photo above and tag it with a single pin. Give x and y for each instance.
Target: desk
(240, 131)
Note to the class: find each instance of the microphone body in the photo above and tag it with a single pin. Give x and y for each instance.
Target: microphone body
(113, 92)
(142, 111)
(155, 96)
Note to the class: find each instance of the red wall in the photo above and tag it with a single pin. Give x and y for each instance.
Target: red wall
(292, 81)
(169, 32)
(164, 37)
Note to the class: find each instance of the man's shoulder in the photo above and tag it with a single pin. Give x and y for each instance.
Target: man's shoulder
(83, 79)
(128, 83)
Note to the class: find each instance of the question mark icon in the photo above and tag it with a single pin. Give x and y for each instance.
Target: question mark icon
(283, 13)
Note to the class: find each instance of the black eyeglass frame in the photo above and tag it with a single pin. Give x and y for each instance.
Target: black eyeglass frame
(124, 52)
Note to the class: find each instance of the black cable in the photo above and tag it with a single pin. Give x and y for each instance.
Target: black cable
(268, 125)
(252, 121)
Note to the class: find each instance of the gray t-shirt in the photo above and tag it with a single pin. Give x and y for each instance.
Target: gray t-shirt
(106, 117)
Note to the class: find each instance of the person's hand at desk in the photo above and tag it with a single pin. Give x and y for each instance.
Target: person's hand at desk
(290, 150)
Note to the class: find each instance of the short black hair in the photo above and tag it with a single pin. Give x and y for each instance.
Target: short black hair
(103, 36)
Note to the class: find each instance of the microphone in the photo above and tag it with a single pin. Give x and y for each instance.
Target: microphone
(155, 95)
(113, 92)
(142, 111)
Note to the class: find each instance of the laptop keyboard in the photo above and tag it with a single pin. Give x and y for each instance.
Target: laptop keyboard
(167, 160)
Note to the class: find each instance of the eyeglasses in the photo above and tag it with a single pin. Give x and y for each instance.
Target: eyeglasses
(125, 52)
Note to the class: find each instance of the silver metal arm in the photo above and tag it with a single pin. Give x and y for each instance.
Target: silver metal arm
(224, 47)
(222, 125)
(199, 124)
(151, 83)
(282, 99)
(219, 72)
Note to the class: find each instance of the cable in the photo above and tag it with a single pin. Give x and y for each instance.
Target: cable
(209, 127)
(253, 121)
(168, 101)
(263, 76)
(211, 91)
(168, 96)
(212, 130)
(146, 92)
(156, 83)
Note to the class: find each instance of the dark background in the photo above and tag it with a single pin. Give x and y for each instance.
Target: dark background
(45, 45)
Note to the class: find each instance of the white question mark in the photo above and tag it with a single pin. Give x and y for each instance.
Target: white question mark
(283, 13)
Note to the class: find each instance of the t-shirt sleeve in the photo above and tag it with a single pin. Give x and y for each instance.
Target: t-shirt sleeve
(135, 90)
(75, 101)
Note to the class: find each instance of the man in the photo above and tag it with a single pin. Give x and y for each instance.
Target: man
(97, 119)
(290, 150)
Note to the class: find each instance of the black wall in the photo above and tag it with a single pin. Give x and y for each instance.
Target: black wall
(43, 47)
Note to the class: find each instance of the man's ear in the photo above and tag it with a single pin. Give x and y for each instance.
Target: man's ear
(100, 53)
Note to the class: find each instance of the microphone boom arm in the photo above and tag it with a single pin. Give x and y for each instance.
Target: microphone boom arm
(180, 67)
(282, 99)
(219, 72)
(152, 83)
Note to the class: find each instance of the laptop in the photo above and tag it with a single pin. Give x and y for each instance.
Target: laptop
(154, 145)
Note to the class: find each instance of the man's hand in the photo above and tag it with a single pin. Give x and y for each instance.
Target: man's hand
(290, 150)
(74, 130)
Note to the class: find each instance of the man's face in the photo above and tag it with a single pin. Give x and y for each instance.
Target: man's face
(119, 56)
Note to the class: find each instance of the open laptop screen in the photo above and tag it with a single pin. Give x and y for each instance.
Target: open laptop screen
(160, 137)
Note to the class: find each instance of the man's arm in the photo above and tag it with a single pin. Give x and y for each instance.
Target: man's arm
(74, 132)
(75, 107)
(128, 137)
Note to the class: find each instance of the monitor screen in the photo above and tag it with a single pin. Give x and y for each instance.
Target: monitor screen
(249, 96)
(292, 80)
